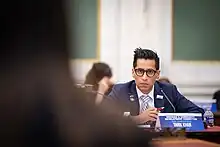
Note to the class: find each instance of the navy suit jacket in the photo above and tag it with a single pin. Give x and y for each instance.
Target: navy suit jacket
(126, 94)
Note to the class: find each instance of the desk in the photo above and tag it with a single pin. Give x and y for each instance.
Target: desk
(217, 118)
(210, 134)
(183, 143)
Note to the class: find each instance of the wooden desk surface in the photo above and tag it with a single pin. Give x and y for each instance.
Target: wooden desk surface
(210, 134)
(183, 143)
(217, 113)
(217, 118)
(212, 129)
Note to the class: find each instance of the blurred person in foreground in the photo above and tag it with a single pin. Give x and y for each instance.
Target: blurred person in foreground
(144, 94)
(99, 76)
(39, 105)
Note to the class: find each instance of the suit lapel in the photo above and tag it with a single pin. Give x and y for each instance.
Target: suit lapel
(158, 96)
(133, 99)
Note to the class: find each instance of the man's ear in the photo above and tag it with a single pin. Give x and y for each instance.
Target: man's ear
(133, 74)
(158, 74)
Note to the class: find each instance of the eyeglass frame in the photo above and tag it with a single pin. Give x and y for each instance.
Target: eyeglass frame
(145, 71)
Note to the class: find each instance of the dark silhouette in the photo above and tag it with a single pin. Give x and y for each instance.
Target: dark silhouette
(39, 104)
(216, 96)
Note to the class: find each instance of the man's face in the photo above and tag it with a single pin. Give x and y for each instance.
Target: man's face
(145, 74)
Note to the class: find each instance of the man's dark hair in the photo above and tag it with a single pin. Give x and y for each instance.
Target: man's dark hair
(140, 53)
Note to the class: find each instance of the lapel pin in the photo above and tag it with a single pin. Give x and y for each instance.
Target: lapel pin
(160, 109)
(159, 97)
(132, 98)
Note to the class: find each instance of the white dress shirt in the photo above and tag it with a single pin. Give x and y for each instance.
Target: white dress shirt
(150, 94)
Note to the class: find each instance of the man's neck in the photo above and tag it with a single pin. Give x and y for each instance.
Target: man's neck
(139, 92)
(145, 92)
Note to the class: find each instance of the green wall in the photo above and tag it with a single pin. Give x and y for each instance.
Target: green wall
(196, 30)
(84, 29)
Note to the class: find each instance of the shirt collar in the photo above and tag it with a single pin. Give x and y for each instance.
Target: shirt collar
(150, 94)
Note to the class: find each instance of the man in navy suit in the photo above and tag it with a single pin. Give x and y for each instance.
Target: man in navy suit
(144, 95)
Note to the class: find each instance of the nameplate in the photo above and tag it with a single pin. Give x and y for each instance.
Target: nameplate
(189, 121)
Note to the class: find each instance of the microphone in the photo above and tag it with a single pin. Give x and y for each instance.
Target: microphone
(174, 109)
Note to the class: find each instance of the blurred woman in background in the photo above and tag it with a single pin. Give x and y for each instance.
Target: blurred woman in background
(164, 80)
(100, 76)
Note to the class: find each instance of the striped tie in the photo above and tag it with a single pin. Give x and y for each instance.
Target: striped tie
(145, 102)
(144, 106)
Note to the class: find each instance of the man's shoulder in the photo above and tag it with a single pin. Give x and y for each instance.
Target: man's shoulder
(123, 86)
(165, 85)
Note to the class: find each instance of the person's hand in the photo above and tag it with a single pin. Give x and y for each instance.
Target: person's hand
(103, 85)
(148, 115)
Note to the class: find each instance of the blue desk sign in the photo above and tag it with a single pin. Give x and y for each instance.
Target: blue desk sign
(189, 121)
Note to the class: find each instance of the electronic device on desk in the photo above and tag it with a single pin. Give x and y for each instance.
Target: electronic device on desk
(87, 87)
(187, 121)
(207, 104)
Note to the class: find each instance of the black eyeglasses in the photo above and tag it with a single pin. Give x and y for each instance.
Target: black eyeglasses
(149, 72)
